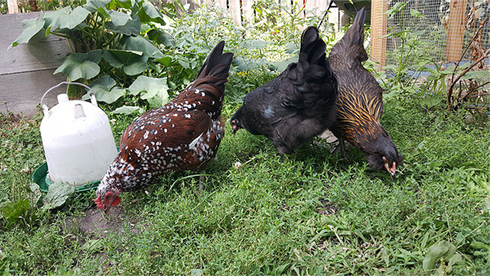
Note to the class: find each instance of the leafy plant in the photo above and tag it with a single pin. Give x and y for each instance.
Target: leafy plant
(57, 195)
(467, 81)
(409, 62)
(444, 252)
(312, 213)
(105, 37)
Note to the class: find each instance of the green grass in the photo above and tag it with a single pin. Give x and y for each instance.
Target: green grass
(309, 213)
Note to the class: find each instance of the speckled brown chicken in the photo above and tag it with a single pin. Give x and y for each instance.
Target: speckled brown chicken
(182, 135)
(360, 101)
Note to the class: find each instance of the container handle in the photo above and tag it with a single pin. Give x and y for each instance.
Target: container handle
(92, 95)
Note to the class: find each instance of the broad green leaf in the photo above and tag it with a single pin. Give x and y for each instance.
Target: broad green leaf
(150, 9)
(109, 96)
(80, 65)
(119, 18)
(148, 85)
(31, 28)
(126, 4)
(127, 110)
(152, 89)
(75, 91)
(456, 258)
(133, 62)
(93, 5)
(166, 61)
(105, 90)
(139, 43)
(132, 27)
(57, 195)
(103, 13)
(12, 211)
(442, 249)
(136, 68)
(105, 81)
(158, 100)
(119, 58)
(161, 37)
(148, 13)
(448, 70)
(184, 63)
(430, 70)
(66, 18)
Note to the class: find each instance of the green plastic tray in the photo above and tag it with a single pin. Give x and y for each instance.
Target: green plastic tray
(40, 177)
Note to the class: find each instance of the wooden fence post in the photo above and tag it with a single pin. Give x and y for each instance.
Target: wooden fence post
(222, 4)
(455, 32)
(235, 11)
(248, 12)
(379, 27)
(310, 5)
(13, 6)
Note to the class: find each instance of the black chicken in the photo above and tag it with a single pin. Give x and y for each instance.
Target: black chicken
(295, 106)
(359, 102)
(182, 135)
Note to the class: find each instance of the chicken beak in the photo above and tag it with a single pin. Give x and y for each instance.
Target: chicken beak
(392, 170)
(234, 127)
(392, 175)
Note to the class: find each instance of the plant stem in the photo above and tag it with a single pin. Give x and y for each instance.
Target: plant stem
(453, 82)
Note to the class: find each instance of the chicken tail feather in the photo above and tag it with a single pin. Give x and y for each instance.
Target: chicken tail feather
(312, 47)
(352, 44)
(217, 63)
(206, 93)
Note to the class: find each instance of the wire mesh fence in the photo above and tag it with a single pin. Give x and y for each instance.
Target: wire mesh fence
(436, 30)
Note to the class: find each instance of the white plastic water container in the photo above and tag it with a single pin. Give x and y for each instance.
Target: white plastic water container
(77, 140)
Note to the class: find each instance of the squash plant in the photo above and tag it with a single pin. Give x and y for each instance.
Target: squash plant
(109, 51)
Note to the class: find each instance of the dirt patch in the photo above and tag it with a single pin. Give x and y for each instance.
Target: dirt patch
(327, 208)
(11, 121)
(96, 223)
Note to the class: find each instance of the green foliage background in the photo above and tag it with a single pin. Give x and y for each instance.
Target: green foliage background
(315, 212)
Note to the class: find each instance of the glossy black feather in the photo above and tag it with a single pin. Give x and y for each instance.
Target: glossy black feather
(295, 106)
